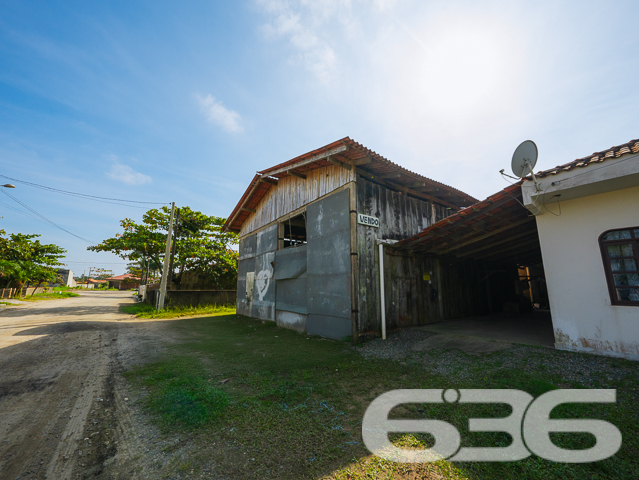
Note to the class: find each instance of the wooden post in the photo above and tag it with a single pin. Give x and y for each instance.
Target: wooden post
(352, 189)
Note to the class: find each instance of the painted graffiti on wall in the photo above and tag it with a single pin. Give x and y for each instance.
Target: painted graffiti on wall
(262, 280)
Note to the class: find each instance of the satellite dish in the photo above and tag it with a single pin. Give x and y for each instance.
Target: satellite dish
(524, 159)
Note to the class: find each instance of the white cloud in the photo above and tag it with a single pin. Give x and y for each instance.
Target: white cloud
(304, 25)
(217, 113)
(125, 174)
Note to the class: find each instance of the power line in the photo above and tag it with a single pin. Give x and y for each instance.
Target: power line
(84, 195)
(44, 218)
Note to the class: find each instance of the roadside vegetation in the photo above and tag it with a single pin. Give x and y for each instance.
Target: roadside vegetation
(257, 401)
(55, 295)
(144, 310)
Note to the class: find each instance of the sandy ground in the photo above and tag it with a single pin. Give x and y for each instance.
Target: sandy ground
(64, 409)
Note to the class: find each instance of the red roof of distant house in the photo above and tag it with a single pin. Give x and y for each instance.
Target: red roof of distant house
(126, 276)
(94, 280)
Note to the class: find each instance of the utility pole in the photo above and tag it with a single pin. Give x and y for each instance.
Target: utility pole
(90, 268)
(175, 236)
(167, 258)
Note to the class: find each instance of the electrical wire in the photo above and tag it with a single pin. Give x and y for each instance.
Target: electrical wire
(84, 195)
(45, 218)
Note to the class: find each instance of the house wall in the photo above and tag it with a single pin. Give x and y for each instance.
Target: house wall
(305, 288)
(292, 193)
(582, 314)
(400, 217)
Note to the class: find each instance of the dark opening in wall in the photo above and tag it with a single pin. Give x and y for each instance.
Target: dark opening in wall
(295, 231)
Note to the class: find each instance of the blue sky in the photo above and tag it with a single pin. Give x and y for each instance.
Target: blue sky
(164, 101)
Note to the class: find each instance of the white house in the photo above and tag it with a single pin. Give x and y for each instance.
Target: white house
(587, 215)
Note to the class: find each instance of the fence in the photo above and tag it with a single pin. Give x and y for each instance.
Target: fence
(26, 291)
(194, 297)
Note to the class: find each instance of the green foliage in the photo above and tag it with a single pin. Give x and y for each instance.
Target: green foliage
(25, 260)
(202, 248)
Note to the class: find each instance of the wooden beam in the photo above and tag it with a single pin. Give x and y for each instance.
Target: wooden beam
(390, 175)
(293, 173)
(306, 161)
(414, 184)
(510, 250)
(478, 214)
(473, 238)
(335, 161)
(272, 181)
(362, 161)
(494, 244)
(246, 209)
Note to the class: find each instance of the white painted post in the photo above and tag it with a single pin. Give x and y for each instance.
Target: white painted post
(167, 255)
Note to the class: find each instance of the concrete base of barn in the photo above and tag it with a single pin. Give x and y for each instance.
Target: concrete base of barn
(533, 328)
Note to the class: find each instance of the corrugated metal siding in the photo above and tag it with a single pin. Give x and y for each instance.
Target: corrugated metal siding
(292, 193)
(400, 217)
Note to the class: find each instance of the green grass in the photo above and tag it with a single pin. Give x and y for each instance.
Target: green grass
(56, 295)
(295, 403)
(144, 310)
(6, 303)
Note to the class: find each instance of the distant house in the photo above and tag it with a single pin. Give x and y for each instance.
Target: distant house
(124, 282)
(587, 215)
(67, 278)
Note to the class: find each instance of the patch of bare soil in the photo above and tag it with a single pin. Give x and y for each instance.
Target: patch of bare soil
(64, 408)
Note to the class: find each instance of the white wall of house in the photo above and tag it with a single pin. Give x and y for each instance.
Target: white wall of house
(582, 314)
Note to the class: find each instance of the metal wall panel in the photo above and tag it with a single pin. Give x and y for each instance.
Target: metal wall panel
(329, 272)
(248, 247)
(329, 215)
(264, 290)
(290, 320)
(330, 327)
(290, 262)
(267, 240)
(291, 295)
(244, 304)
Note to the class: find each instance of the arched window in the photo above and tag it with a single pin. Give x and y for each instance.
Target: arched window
(620, 252)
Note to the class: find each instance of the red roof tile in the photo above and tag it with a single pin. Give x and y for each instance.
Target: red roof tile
(598, 157)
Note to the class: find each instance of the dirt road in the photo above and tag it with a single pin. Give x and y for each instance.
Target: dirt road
(64, 412)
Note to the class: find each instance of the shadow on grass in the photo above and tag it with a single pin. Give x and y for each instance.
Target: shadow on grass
(293, 404)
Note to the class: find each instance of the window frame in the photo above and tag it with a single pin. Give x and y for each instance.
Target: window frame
(610, 279)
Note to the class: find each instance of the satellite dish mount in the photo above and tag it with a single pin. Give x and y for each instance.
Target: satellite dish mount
(524, 160)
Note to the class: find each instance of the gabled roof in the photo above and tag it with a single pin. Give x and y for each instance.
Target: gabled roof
(348, 154)
(598, 157)
(498, 228)
(126, 276)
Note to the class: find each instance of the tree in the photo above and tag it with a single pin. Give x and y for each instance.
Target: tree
(25, 260)
(202, 248)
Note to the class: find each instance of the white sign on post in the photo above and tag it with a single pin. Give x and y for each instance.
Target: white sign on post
(367, 220)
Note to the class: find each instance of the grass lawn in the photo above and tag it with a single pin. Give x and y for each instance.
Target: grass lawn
(264, 402)
(144, 310)
(55, 295)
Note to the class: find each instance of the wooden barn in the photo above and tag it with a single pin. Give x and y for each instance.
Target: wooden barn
(310, 234)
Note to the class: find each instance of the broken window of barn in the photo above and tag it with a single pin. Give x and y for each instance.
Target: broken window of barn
(294, 231)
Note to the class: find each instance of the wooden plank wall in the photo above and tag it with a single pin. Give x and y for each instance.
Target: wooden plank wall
(292, 193)
(400, 217)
